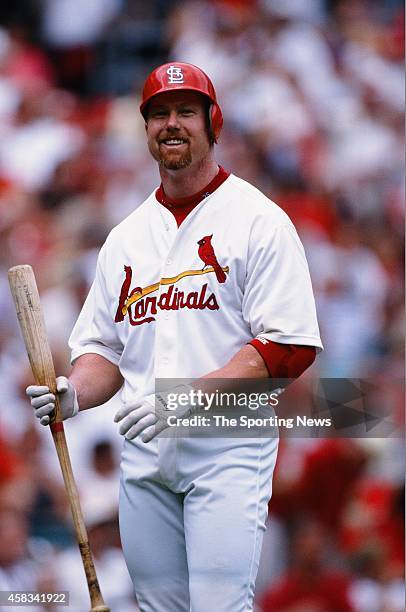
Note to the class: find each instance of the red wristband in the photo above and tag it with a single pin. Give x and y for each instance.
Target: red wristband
(284, 360)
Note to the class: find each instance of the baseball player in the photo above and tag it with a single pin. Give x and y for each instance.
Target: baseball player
(205, 279)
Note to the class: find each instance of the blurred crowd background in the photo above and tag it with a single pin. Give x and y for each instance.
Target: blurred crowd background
(313, 95)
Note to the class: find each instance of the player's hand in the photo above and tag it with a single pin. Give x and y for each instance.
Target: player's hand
(149, 417)
(43, 401)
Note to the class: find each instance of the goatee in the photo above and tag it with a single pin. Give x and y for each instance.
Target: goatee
(175, 163)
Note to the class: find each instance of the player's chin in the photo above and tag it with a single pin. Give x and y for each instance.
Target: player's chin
(175, 161)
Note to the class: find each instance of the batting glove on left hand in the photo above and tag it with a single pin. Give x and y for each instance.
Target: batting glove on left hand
(150, 415)
(43, 401)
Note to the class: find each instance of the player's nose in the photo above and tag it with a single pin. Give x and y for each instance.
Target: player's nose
(172, 120)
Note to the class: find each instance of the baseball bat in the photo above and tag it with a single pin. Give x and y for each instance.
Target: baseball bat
(29, 312)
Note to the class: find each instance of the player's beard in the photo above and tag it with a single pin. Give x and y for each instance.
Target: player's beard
(175, 161)
(170, 160)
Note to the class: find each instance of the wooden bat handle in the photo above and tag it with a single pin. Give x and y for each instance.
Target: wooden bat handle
(29, 312)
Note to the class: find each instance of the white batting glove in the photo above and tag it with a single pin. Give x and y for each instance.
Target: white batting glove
(43, 401)
(149, 416)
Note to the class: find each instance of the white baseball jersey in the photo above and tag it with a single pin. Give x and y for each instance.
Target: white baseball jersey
(157, 309)
(171, 302)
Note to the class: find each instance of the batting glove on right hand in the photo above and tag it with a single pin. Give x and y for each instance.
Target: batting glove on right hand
(149, 416)
(43, 401)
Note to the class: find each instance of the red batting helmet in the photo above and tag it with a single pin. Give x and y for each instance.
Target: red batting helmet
(181, 76)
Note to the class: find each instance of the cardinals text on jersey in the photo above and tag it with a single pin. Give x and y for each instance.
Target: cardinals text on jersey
(141, 306)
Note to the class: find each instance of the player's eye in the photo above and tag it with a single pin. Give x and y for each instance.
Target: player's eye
(158, 114)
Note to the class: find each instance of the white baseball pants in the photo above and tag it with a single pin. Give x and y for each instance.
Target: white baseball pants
(192, 518)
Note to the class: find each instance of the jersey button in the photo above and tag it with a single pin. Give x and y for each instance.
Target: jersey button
(168, 262)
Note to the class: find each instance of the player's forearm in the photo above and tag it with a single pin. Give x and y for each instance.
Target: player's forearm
(95, 379)
(246, 363)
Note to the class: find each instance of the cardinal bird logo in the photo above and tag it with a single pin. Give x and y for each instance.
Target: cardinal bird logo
(208, 256)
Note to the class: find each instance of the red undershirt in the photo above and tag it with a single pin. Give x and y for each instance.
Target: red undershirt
(181, 207)
(281, 360)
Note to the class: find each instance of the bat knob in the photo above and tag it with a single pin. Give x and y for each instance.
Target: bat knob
(102, 608)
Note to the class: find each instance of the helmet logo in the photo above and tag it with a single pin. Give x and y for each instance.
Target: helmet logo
(175, 74)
